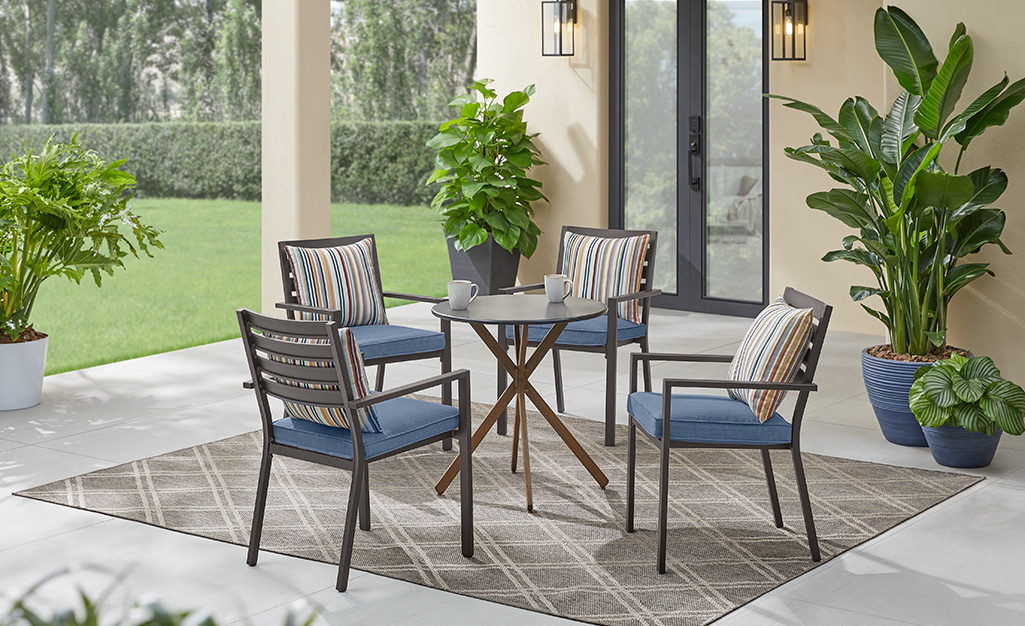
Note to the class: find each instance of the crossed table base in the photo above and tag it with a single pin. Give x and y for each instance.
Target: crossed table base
(520, 388)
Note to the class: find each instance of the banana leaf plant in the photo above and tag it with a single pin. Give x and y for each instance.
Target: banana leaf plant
(915, 222)
(969, 393)
(63, 212)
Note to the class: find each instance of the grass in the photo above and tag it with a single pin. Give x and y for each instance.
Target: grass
(210, 266)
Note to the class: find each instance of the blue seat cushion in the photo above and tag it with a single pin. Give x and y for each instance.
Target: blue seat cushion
(592, 332)
(706, 419)
(386, 340)
(404, 421)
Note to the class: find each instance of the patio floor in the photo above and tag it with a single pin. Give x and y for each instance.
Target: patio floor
(962, 562)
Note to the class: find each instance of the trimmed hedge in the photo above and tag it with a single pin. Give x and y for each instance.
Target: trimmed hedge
(371, 163)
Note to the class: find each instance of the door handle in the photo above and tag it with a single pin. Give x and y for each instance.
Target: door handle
(694, 149)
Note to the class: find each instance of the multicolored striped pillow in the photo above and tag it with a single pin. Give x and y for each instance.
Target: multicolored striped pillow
(602, 267)
(342, 279)
(360, 387)
(771, 351)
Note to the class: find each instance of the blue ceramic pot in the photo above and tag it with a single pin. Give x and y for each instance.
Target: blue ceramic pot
(954, 446)
(888, 383)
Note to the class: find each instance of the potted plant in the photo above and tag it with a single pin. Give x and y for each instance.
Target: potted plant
(483, 156)
(914, 222)
(963, 405)
(64, 212)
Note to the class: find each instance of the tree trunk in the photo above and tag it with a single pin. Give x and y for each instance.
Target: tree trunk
(29, 77)
(48, 77)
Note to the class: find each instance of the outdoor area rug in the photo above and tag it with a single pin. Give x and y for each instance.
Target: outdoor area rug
(571, 557)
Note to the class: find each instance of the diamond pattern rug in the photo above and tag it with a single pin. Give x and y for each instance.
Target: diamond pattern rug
(570, 557)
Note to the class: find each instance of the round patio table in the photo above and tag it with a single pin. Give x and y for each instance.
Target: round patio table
(520, 311)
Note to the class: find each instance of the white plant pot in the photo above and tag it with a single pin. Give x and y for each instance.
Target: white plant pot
(21, 373)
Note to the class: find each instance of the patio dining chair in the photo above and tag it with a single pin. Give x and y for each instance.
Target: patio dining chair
(334, 418)
(339, 279)
(779, 353)
(615, 267)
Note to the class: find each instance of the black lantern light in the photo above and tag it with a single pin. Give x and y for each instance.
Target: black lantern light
(789, 27)
(558, 21)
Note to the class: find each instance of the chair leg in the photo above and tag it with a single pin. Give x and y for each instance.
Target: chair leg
(663, 507)
(364, 501)
(809, 522)
(646, 364)
(610, 394)
(560, 397)
(380, 378)
(770, 479)
(446, 367)
(466, 490)
(261, 507)
(349, 532)
(631, 464)
(503, 381)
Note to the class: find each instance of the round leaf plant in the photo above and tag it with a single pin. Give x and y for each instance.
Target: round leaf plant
(969, 393)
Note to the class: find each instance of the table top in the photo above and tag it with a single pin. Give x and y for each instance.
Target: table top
(521, 309)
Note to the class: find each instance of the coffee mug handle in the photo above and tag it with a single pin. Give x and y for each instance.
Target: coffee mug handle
(474, 289)
(569, 288)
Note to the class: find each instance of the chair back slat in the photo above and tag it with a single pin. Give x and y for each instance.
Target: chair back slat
(821, 312)
(292, 349)
(298, 373)
(331, 398)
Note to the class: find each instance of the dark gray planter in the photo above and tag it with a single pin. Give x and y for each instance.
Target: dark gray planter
(489, 265)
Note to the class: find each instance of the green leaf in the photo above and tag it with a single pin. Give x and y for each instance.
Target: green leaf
(958, 124)
(968, 389)
(904, 187)
(858, 257)
(443, 140)
(936, 337)
(946, 89)
(994, 114)
(927, 412)
(515, 100)
(960, 275)
(938, 385)
(978, 229)
(825, 121)
(882, 317)
(860, 293)
(989, 184)
(938, 189)
(904, 47)
(858, 163)
(470, 189)
(898, 126)
(981, 368)
(472, 235)
(856, 116)
(1004, 403)
(497, 222)
(849, 206)
(970, 417)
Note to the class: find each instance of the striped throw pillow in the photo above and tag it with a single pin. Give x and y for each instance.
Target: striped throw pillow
(771, 351)
(602, 267)
(360, 387)
(341, 278)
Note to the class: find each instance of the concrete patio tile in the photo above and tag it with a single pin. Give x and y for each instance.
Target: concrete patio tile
(26, 521)
(6, 444)
(780, 611)
(31, 466)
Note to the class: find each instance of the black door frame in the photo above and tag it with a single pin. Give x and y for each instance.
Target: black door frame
(691, 248)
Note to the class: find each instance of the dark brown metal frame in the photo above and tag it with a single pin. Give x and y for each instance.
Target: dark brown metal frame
(266, 376)
(610, 348)
(291, 306)
(803, 384)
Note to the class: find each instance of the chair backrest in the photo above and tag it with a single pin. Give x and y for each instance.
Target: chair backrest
(821, 313)
(295, 361)
(647, 276)
(288, 281)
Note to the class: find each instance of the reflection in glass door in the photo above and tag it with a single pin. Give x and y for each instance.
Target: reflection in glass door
(687, 145)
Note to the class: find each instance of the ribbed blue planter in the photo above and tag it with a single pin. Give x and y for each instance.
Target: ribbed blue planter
(954, 446)
(888, 383)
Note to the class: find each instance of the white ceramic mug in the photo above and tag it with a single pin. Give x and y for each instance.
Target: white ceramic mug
(557, 287)
(461, 293)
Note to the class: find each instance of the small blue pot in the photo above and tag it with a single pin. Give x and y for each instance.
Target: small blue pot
(888, 383)
(954, 446)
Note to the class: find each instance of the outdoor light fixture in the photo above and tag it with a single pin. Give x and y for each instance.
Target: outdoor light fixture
(789, 27)
(558, 22)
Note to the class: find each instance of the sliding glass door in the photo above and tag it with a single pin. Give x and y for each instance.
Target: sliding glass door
(687, 147)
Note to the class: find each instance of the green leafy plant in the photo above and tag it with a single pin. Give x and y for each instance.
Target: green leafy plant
(482, 160)
(915, 222)
(969, 393)
(63, 212)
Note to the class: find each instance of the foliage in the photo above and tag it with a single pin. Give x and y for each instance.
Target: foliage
(64, 212)
(915, 221)
(483, 157)
(370, 163)
(969, 393)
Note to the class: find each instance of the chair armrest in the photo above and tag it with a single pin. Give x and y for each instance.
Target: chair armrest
(671, 383)
(637, 295)
(413, 297)
(405, 390)
(336, 316)
(637, 357)
(248, 385)
(522, 288)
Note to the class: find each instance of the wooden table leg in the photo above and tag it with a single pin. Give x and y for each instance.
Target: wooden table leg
(515, 435)
(571, 441)
(521, 407)
(478, 436)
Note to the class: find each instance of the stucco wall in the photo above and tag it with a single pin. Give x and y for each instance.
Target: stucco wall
(569, 110)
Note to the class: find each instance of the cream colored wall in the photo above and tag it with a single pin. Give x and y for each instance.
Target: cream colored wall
(988, 317)
(296, 162)
(569, 110)
(841, 63)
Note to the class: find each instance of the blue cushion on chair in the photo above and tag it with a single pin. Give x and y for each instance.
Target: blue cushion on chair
(707, 419)
(590, 332)
(386, 340)
(404, 421)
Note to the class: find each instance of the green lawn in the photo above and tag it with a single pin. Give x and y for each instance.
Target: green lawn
(210, 266)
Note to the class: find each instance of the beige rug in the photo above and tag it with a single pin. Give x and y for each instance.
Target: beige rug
(571, 557)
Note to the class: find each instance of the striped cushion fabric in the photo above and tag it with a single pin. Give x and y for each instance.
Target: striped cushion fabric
(771, 351)
(341, 278)
(360, 386)
(602, 267)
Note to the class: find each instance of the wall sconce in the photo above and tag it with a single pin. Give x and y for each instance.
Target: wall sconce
(558, 23)
(789, 27)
